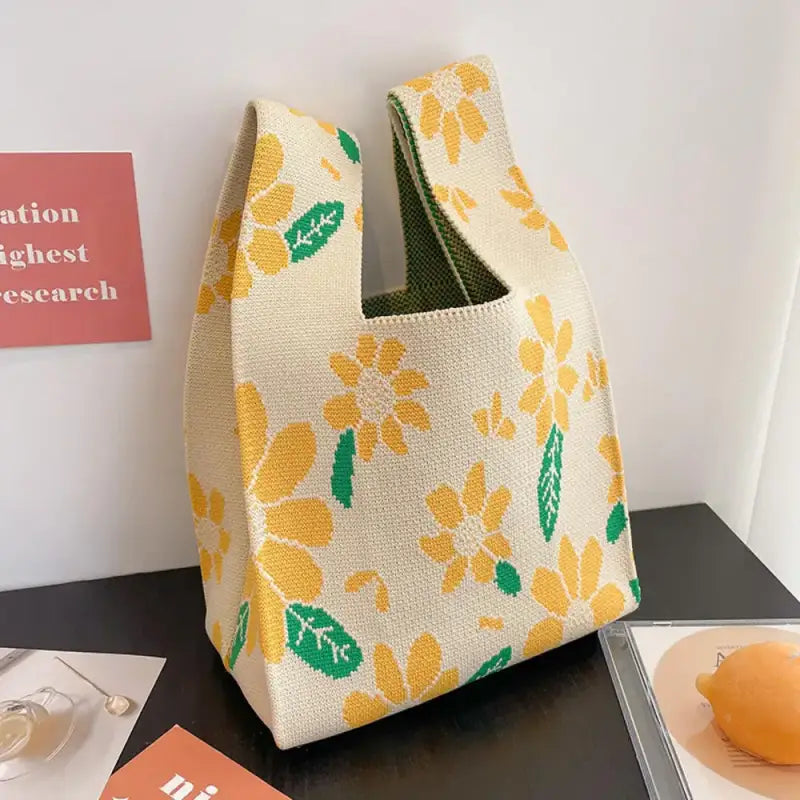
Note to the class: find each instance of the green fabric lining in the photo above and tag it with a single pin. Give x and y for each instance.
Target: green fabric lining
(434, 276)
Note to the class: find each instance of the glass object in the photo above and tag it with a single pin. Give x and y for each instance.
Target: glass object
(33, 731)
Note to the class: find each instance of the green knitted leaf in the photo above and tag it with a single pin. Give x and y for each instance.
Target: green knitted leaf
(319, 640)
(494, 664)
(507, 578)
(311, 232)
(349, 146)
(240, 637)
(617, 522)
(342, 475)
(549, 486)
(636, 590)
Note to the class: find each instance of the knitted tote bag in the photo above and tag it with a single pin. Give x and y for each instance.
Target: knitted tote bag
(399, 495)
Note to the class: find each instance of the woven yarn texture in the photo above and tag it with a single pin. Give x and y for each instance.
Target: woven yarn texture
(396, 496)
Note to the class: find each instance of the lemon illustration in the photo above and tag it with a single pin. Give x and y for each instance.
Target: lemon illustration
(755, 695)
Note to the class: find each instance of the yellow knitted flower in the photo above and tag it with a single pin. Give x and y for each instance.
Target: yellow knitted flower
(458, 198)
(469, 534)
(534, 216)
(596, 375)
(216, 636)
(609, 449)
(554, 379)
(213, 540)
(377, 403)
(446, 106)
(572, 592)
(268, 203)
(491, 422)
(224, 234)
(424, 680)
(284, 570)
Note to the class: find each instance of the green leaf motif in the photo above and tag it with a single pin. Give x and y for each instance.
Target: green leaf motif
(617, 522)
(349, 146)
(507, 578)
(494, 664)
(636, 590)
(549, 486)
(342, 475)
(240, 637)
(319, 640)
(311, 232)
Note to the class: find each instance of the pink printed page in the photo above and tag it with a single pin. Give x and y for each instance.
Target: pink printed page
(180, 766)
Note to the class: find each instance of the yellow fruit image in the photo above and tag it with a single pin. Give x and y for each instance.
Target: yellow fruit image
(755, 695)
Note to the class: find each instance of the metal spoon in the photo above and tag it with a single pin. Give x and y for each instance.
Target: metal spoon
(115, 704)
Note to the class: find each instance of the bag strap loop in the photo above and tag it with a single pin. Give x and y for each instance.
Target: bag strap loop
(452, 131)
(293, 191)
(291, 208)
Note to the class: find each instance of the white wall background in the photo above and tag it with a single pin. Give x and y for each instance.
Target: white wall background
(775, 534)
(661, 135)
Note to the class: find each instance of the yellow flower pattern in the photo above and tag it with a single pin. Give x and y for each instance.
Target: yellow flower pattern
(283, 569)
(491, 422)
(216, 636)
(534, 217)
(213, 540)
(378, 401)
(358, 580)
(596, 376)
(424, 679)
(249, 594)
(610, 450)
(546, 359)
(447, 107)
(469, 535)
(328, 127)
(224, 234)
(268, 203)
(334, 173)
(573, 592)
(458, 198)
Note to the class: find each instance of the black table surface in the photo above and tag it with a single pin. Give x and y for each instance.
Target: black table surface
(549, 728)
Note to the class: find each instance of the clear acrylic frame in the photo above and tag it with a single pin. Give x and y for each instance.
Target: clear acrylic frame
(661, 769)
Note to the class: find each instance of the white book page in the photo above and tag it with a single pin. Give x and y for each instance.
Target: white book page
(79, 771)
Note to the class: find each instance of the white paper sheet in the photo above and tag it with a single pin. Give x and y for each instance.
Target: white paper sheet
(82, 768)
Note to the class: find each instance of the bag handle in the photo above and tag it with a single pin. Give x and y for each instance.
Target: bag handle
(452, 132)
(289, 218)
(293, 194)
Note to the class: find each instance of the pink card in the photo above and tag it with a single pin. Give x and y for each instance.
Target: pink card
(71, 268)
(182, 767)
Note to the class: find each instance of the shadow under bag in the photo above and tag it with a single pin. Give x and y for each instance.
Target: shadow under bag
(396, 496)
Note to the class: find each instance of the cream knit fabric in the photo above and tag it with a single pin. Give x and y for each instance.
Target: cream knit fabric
(396, 498)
